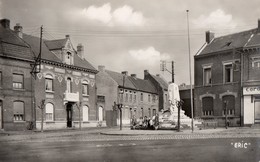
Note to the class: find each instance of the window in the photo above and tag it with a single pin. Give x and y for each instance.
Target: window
(130, 96)
(153, 98)
(154, 112)
(134, 97)
(256, 62)
(228, 103)
(165, 98)
(149, 98)
(207, 76)
(85, 89)
(18, 110)
(142, 112)
(228, 73)
(149, 112)
(100, 113)
(49, 112)
(48, 83)
(18, 81)
(85, 113)
(69, 85)
(207, 106)
(126, 97)
(68, 58)
(142, 97)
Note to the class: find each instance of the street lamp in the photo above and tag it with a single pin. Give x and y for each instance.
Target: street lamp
(120, 105)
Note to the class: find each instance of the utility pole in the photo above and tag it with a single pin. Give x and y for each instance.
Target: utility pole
(172, 71)
(191, 95)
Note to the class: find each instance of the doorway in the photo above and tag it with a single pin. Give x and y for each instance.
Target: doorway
(257, 111)
(100, 113)
(69, 115)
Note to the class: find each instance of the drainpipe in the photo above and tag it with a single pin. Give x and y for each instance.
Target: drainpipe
(241, 88)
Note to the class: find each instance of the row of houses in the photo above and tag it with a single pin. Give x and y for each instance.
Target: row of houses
(63, 89)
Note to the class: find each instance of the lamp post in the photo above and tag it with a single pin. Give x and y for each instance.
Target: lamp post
(191, 95)
(120, 105)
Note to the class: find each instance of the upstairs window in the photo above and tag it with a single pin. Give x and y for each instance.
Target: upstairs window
(134, 96)
(228, 73)
(18, 107)
(85, 88)
(68, 58)
(142, 97)
(126, 97)
(207, 76)
(18, 81)
(149, 98)
(69, 85)
(48, 83)
(256, 62)
(130, 96)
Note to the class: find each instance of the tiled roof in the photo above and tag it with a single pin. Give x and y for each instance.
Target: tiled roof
(143, 85)
(118, 77)
(34, 42)
(55, 44)
(13, 46)
(163, 83)
(229, 42)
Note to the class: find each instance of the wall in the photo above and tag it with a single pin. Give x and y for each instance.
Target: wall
(8, 95)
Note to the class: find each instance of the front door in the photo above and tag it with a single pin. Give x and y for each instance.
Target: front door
(1, 114)
(69, 115)
(257, 111)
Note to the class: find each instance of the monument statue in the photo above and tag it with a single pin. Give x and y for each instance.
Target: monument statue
(174, 97)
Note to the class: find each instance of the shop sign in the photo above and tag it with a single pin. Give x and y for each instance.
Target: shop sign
(251, 90)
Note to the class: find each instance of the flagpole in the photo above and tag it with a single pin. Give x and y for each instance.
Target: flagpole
(191, 95)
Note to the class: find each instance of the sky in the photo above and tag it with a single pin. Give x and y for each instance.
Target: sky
(134, 35)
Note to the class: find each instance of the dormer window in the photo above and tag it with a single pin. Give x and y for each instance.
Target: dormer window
(68, 58)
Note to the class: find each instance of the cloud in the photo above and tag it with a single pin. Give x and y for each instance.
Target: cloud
(149, 55)
(124, 15)
(216, 19)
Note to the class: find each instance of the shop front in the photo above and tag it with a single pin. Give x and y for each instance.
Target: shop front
(251, 105)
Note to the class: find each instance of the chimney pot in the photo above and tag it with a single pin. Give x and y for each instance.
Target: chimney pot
(101, 68)
(158, 75)
(146, 72)
(18, 29)
(67, 36)
(125, 72)
(80, 50)
(209, 36)
(133, 75)
(5, 23)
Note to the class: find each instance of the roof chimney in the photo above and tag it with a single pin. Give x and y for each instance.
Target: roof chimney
(18, 29)
(80, 50)
(67, 36)
(133, 75)
(158, 75)
(125, 72)
(101, 68)
(5, 23)
(209, 36)
(146, 72)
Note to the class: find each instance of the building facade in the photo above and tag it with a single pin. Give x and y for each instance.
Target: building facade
(225, 73)
(16, 94)
(138, 96)
(161, 86)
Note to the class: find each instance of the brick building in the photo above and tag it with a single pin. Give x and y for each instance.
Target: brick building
(139, 97)
(161, 86)
(67, 83)
(225, 67)
(16, 94)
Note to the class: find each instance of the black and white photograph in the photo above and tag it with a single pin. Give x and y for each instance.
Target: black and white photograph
(129, 80)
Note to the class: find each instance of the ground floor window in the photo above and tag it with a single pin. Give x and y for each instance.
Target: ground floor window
(228, 105)
(18, 107)
(85, 113)
(207, 106)
(49, 111)
(154, 112)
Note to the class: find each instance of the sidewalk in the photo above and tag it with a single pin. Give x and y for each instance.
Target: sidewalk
(231, 130)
